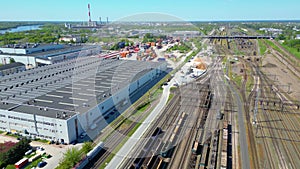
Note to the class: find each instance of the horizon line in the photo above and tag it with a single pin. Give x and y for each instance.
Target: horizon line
(233, 20)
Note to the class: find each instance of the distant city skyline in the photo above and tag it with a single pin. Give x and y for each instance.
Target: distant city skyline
(188, 10)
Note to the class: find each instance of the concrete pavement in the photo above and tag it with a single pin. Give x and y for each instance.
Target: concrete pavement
(242, 130)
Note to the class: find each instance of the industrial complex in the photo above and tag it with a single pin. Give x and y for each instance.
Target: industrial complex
(149, 94)
(63, 100)
(33, 55)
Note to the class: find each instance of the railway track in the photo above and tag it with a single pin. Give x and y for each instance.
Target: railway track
(182, 152)
(247, 102)
(284, 141)
(166, 117)
(183, 149)
(113, 141)
(292, 65)
(275, 142)
(176, 121)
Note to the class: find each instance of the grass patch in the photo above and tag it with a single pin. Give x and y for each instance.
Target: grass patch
(274, 46)
(31, 155)
(11, 166)
(1, 132)
(134, 129)
(249, 84)
(108, 159)
(34, 163)
(173, 88)
(142, 108)
(262, 47)
(293, 51)
(236, 50)
(194, 53)
(158, 92)
(224, 60)
(41, 140)
(237, 79)
(12, 135)
(170, 97)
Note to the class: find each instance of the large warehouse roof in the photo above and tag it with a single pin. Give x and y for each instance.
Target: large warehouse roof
(70, 85)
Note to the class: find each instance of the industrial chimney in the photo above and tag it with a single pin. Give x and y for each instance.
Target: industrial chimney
(90, 20)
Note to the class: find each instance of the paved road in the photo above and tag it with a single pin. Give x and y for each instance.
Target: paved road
(245, 161)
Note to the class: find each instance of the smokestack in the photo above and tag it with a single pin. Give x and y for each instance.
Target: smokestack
(107, 20)
(89, 8)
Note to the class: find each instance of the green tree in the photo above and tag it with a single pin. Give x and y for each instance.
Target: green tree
(281, 37)
(71, 157)
(12, 60)
(86, 147)
(15, 154)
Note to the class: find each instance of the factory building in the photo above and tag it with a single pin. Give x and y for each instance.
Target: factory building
(11, 68)
(60, 101)
(185, 34)
(33, 55)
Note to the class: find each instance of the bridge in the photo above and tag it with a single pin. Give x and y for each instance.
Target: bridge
(238, 37)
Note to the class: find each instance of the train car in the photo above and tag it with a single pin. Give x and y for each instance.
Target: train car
(225, 134)
(176, 129)
(195, 147)
(224, 145)
(179, 122)
(157, 131)
(81, 164)
(204, 156)
(224, 160)
(111, 55)
(172, 138)
(225, 124)
(198, 162)
(90, 155)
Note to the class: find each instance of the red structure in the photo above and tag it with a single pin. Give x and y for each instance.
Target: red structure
(89, 8)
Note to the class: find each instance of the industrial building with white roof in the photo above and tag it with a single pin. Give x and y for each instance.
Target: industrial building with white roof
(33, 55)
(63, 100)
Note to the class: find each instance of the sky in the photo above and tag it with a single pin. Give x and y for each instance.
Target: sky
(187, 10)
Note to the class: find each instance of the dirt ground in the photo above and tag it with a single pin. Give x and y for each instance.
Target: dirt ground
(284, 77)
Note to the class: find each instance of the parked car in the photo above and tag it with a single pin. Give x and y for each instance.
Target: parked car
(41, 164)
(28, 152)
